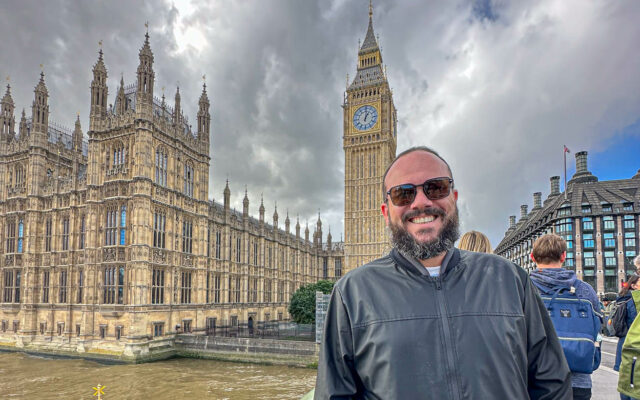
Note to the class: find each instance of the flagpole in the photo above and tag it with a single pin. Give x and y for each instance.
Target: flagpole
(564, 153)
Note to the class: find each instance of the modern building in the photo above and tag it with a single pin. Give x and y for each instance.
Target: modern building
(112, 244)
(369, 142)
(598, 219)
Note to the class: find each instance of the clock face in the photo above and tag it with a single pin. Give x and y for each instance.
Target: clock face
(365, 118)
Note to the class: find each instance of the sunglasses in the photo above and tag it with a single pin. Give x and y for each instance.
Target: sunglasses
(434, 189)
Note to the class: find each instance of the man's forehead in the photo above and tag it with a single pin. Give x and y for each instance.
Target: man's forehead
(418, 162)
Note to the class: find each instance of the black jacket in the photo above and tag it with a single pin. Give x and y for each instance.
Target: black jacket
(477, 331)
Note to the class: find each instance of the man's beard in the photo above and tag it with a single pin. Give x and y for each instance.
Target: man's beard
(409, 247)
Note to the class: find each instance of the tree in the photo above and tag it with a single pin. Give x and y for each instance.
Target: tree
(302, 307)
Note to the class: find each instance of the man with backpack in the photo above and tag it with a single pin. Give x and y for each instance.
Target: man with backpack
(572, 306)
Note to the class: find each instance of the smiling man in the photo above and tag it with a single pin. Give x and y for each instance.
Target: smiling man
(429, 321)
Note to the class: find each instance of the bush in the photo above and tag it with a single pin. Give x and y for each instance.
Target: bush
(302, 307)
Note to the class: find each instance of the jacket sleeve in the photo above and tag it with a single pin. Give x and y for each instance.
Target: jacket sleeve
(548, 373)
(337, 378)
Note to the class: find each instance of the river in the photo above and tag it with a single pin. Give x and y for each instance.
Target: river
(25, 376)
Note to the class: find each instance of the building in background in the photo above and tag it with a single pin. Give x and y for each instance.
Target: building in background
(108, 244)
(369, 143)
(598, 219)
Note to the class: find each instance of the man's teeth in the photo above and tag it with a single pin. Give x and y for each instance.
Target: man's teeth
(423, 220)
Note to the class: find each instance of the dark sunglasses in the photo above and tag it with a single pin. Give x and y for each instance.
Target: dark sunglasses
(434, 189)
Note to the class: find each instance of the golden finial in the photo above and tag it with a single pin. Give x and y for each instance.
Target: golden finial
(163, 90)
(347, 79)
(8, 78)
(370, 8)
(204, 77)
(42, 67)
(146, 25)
(100, 43)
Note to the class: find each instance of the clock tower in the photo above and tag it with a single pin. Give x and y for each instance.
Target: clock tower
(369, 142)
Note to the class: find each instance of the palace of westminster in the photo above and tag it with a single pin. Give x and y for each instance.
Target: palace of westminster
(112, 242)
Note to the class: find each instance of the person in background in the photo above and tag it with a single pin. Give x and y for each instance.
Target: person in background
(549, 253)
(625, 298)
(475, 241)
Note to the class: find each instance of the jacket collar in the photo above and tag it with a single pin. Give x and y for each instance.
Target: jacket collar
(453, 257)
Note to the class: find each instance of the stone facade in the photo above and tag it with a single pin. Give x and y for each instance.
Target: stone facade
(369, 142)
(111, 246)
(598, 219)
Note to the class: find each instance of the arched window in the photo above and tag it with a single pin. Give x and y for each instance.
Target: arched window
(188, 179)
(161, 167)
(20, 235)
(123, 223)
(119, 154)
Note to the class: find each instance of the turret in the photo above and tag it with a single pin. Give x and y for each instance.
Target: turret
(227, 197)
(329, 239)
(77, 136)
(261, 210)
(121, 99)
(306, 232)
(275, 216)
(204, 118)
(7, 119)
(298, 227)
(245, 204)
(24, 130)
(99, 92)
(318, 233)
(40, 108)
(287, 223)
(176, 109)
(146, 76)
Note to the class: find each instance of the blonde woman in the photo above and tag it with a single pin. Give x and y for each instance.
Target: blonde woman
(475, 241)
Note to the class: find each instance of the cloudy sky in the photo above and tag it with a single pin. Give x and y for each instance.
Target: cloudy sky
(498, 87)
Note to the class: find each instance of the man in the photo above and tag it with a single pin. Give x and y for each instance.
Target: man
(549, 253)
(429, 321)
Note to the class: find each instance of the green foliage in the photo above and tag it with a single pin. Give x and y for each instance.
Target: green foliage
(302, 307)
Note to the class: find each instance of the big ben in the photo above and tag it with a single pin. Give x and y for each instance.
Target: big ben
(369, 142)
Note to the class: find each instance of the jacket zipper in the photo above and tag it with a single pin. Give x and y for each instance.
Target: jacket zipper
(633, 367)
(447, 337)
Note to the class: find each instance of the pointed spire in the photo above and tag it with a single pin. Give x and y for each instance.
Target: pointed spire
(7, 119)
(145, 72)
(77, 136)
(370, 42)
(204, 118)
(261, 209)
(245, 203)
(227, 196)
(23, 125)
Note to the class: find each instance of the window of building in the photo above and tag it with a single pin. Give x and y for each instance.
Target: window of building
(188, 180)
(157, 286)
(627, 206)
(161, 167)
(609, 258)
(629, 243)
(103, 331)
(60, 328)
(82, 232)
(564, 211)
(159, 226)
(186, 325)
(111, 227)
(185, 287)
(564, 225)
(11, 236)
(609, 240)
(217, 281)
(629, 222)
(187, 232)
(12, 285)
(608, 223)
(255, 253)
(47, 234)
(80, 286)
(113, 290)
(77, 329)
(267, 290)
(238, 249)
(45, 286)
(325, 267)
(118, 332)
(62, 291)
(253, 290)
(338, 267)
(589, 260)
(4, 326)
(208, 241)
(158, 329)
(16, 326)
(586, 208)
(606, 208)
(218, 244)
(65, 233)
(123, 224)
(43, 327)
(280, 292)
(119, 154)
(587, 241)
(630, 253)
(20, 235)
(587, 224)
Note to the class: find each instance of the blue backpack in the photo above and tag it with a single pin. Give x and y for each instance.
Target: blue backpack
(577, 325)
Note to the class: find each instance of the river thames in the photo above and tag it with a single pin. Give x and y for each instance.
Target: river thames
(25, 376)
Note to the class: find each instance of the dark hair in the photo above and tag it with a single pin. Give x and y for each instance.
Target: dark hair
(626, 288)
(404, 153)
(548, 249)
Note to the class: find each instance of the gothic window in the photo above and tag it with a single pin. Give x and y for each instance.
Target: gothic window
(80, 285)
(338, 267)
(159, 225)
(185, 287)
(255, 253)
(65, 233)
(267, 290)
(20, 235)
(62, 291)
(82, 232)
(45, 287)
(253, 292)
(187, 232)
(123, 224)
(208, 241)
(217, 280)
(113, 289)
(188, 179)
(218, 244)
(157, 286)
(11, 236)
(280, 292)
(119, 154)
(19, 175)
(238, 249)
(161, 167)
(47, 234)
(111, 226)
(12, 286)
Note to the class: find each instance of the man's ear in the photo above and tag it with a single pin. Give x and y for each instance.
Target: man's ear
(531, 257)
(385, 212)
(563, 256)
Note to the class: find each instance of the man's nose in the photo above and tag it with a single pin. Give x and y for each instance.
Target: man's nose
(421, 200)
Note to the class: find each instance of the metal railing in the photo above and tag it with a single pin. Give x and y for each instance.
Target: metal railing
(283, 330)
